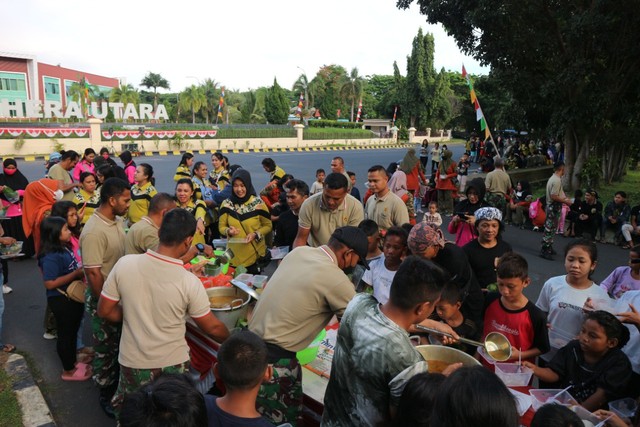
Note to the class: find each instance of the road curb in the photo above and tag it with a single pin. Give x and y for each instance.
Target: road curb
(35, 411)
(45, 157)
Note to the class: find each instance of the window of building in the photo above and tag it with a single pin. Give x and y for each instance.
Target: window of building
(12, 84)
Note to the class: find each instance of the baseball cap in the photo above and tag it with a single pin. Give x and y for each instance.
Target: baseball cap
(356, 239)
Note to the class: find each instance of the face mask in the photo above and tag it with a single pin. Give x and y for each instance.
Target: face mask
(58, 194)
(10, 171)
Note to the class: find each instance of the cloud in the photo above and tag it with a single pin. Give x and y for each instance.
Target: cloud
(241, 44)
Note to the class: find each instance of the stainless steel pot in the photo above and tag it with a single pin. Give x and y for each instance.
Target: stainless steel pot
(445, 354)
(238, 308)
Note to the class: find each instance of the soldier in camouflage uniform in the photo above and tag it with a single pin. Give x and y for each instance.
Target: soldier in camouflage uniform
(281, 397)
(101, 246)
(555, 199)
(153, 335)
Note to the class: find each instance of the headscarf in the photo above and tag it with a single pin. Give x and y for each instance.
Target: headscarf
(445, 162)
(398, 183)
(488, 214)
(38, 199)
(409, 161)
(422, 236)
(244, 176)
(17, 181)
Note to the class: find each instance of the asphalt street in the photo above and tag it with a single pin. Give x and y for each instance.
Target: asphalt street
(76, 404)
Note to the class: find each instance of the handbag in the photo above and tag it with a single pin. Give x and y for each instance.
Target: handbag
(75, 291)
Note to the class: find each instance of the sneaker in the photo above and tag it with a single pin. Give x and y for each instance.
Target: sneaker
(6, 289)
(105, 404)
(48, 336)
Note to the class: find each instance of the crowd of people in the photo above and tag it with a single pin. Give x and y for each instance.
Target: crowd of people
(377, 263)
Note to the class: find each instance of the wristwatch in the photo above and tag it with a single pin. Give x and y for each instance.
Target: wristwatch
(200, 247)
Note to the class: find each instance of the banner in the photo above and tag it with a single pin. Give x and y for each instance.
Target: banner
(476, 105)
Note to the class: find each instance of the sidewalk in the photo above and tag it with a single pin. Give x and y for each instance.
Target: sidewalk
(35, 411)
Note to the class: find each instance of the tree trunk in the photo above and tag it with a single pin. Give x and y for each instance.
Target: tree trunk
(193, 116)
(576, 153)
(155, 99)
(352, 105)
(614, 162)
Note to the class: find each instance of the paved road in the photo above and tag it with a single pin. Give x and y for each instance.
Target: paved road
(76, 404)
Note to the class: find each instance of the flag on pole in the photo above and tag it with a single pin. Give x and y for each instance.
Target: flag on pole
(359, 111)
(221, 103)
(395, 111)
(476, 105)
(300, 103)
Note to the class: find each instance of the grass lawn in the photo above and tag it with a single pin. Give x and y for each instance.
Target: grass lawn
(630, 184)
(9, 407)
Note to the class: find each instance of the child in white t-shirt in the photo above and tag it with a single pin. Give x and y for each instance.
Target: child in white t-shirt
(626, 278)
(562, 297)
(382, 270)
(432, 217)
(318, 184)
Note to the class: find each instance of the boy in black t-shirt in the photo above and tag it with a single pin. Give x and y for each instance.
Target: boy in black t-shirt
(242, 367)
(448, 310)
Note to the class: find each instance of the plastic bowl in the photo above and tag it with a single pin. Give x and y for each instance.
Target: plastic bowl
(624, 408)
(225, 267)
(13, 249)
(542, 396)
(259, 281)
(513, 375)
(309, 354)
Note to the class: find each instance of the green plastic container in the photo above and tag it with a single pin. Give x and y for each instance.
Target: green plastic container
(225, 267)
(309, 354)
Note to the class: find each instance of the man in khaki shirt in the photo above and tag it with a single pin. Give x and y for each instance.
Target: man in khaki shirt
(385, 207)
(305, 292)
(153, 334)
(498, 185)
(102, 245)
(337, 166)
(322, 213)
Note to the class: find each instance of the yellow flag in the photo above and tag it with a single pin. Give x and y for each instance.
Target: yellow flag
(473, 96)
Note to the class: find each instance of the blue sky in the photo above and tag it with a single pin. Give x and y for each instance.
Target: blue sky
(241, 44)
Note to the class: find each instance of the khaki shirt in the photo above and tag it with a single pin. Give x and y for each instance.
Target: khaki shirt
(142, 235)
(387, 211)
(322, 222)
(554, 187)
(302, 296)
(102, 243)
(157, 295)
(498, 182)
(57, 172)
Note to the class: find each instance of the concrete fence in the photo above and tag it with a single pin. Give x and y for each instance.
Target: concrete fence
(43, 146)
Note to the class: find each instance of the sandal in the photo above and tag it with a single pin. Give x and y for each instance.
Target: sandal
(84, 358)
(8, 348)
(627, 246)
(81, 373)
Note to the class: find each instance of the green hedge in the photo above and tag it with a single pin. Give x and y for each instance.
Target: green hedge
(333, 133)
(334, 124)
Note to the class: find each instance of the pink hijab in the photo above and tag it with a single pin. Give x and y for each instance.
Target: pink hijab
(398, 183)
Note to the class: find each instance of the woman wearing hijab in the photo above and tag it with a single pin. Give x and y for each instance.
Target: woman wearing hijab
(15, 180)
(398, 185)
(411, 165)
(444, 183)
(244, 216)
(39, 197)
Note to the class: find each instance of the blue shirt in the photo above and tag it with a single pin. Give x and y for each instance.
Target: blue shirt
(57, 264)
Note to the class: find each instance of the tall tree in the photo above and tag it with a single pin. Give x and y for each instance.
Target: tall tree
(420, 96)
(301, 85)
(192, 98)
(212, 97)
(83, 92)
(327, 84)
(154, 80)
(572, 64)
(276, 105)
(351, 89)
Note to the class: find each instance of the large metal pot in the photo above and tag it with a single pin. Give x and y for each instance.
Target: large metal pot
(238, 308)
(445, 354)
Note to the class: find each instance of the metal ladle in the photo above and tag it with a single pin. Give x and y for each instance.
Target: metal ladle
(495, 344)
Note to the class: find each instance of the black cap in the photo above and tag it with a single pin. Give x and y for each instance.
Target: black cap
(356, 239)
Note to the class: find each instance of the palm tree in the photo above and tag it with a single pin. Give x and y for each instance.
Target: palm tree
(153, 80)
(302, 85)
(212, 95)
(83, 93)
(193, 98)
(124, 94)
(351, 89)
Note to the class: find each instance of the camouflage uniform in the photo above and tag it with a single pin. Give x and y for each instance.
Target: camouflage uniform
(280, 399)
(107, 342)
(132, 379)
(498, 201)
(554, 210)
